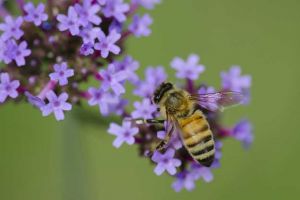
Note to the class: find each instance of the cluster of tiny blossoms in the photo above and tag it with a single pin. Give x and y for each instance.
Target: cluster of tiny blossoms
(175, 160)
(51, 50)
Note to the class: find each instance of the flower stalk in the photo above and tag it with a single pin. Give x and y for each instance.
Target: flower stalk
(51, 51)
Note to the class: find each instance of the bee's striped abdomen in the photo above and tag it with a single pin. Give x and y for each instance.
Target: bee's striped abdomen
(198, 138)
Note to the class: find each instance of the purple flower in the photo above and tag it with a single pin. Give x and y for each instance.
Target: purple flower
(232, 80)
(189, 69)
(124, 133)
(243, 132)
(155, 75)
(118, 108)
(102, 2)
(36, 15)
(56, 105)
(106, 44)
(11, 28)
(61, 74)
(34, 100)
(69, 22)
(143, 109)
(87, 12)
(201, 172)
(8, 88)
(89, 33)
(21, 52)
(165, 162)
(102, 99)
(129, 65)
(148, 4)
(218, 154)
(113, 79)
(12, 51)
(116, 9)
(116, 25)
(139, 26)
(87, 49)
(144, 89)
(185, 180)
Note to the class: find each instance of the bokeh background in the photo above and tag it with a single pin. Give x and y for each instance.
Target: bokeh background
(75, 160)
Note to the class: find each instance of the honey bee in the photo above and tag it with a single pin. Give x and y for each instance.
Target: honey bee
(182, 111)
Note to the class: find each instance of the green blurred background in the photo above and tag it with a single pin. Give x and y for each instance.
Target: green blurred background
(70, 160)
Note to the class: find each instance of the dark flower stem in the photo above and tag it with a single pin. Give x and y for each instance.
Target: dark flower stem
(224, 132)
(85, 95)
(190, 86)
(124, 36)
(21, 4)
(3, 12)
(50, 8)
(132, 9)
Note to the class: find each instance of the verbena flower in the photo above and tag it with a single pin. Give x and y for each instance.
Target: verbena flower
(165, 162)
(218, 154)
(8, 88)
(87, 49)
(112, 79)
(116, 9)
(107, 44)
(144, 109)
(61, 73)
(201, 172)
(149, 4)
(119, 107)
(139, 26)
(185, 180)
(56, 105)
(102, 99)
(102, 2)
(234, 81)
(69, 22)
(13, 51)
(189, 69)
(124, 133)
(129, 66)
(11, 28)
(243, 132)
(153, 77)
(89, 33)
(87, 13)
(36, 15)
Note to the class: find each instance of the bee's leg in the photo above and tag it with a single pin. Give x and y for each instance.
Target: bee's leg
(148, 121)
(163, 144)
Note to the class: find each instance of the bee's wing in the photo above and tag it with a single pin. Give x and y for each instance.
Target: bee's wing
(218, 101)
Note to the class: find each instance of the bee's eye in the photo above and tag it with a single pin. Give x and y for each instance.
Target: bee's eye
(156, 99)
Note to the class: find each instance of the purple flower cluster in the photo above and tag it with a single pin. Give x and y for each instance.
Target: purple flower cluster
(176, 161)
(78, 56)
(186, 178)
(60, 51)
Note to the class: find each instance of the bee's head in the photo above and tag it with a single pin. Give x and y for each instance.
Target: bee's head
(161, 91)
